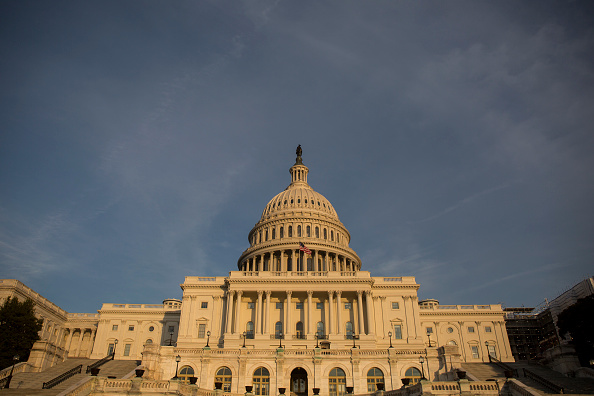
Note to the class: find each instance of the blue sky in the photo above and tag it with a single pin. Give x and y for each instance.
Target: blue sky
(140, 141)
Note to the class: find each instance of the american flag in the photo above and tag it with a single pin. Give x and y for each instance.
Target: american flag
(304, 249)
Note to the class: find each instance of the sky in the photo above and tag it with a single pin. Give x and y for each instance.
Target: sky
(140, 141)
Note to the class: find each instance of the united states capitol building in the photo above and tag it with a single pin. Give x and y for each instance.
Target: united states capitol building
(299, 312)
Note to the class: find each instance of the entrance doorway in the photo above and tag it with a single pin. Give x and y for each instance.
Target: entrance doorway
(298, 382)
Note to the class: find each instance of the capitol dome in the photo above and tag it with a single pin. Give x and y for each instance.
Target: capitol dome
(299, 215)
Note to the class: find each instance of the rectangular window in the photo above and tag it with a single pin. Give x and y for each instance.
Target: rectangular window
(475, 352)
(114, 328)
(319, 305)
(395, 305)
(204, 304)
(131, 328)
(397, 332)
(471, 329)
(429, 330)
(299, 305)
(492, 351)
(251, 305)
(279, 305)
(487, 329)
(127, 349)
(171, 329)
(348, 306)
(110, 348)
(201, 330)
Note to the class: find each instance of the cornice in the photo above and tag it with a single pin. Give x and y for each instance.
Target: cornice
(458, 313)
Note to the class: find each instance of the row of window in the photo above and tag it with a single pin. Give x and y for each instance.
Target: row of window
(292, 201)
(264, 236)
(151, 328)
(336, 379)
(470, 329)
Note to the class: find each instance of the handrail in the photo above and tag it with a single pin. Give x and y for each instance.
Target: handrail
(99, 363)
(62, 377)
(499, 363)
(543, 381)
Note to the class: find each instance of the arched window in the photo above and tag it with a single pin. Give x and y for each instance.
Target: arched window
(266, 235)
(320, 330)
(149, 341)
(249, 330)
(452, 342)
(331, 235)
(185, 373)
(260, 236)
(282, 234)
(261, 381)
(325, 233)
(337, 382)
(374, 376)
(299, 330)
(290, 231)
(308, 231)
(224, 375)
(349, 331)
(274, 233)
(337, 237)
(317, 231)
(413, 374)
(298, 231)
(278, 330)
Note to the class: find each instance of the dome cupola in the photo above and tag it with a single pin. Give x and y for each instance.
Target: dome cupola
(296, 217)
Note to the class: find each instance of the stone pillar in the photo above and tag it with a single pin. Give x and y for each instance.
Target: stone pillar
(360, 306)
(330, 312)
(80, 340)
(238, 324)
(309, 311)
(370, 313)
(267, 321)
(228, 327)
(259, 312)
(216, 320)
(69, 341)
(383, 320)
(283, 259)
(293, 263)
(316, 265)
(91, 342)
(338, 312)
(289, 324)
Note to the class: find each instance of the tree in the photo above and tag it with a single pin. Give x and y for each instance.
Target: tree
(578, 321)
(19, 329)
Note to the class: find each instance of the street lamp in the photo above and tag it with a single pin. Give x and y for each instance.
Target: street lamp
(115, 345)
(244, 334)
(16, 359)
(207, 338)
(422, 360)
(177, 360)
(170, 338)
(390, 335)
(487, 347)
(429, 338)
(354, 338)
(280, 339)
(317, 338)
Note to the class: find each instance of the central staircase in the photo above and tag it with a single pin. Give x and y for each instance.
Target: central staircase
(31, 383)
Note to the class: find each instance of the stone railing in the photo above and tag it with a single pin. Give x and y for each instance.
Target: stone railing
(18, 368)
(516, 388)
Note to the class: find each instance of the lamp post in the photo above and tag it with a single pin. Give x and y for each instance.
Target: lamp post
(280, 340)
(115, 345)
(429, 339)
(244, 334)
(422, 360)
(390, 335)
(177, 360)
(170, 338)
(355, 336)
(487, 347)
(16, 359)
(207, 338)
(317, 338)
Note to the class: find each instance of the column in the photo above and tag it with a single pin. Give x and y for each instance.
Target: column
(338, 311)
(238, 324)
(293, 263)
(315, 266)
(360, 306)
(309, 311)
(259, 313)
(267, 321)
(69, 341)
(330, 313)
(283, 259)
(288, 324)
(91, 342)
(383, 319)
(190, 315)
(228, 328)
(370, 313)
(80, 339)
(217, 318)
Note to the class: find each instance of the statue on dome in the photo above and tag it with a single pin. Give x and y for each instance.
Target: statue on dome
(299, 152)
